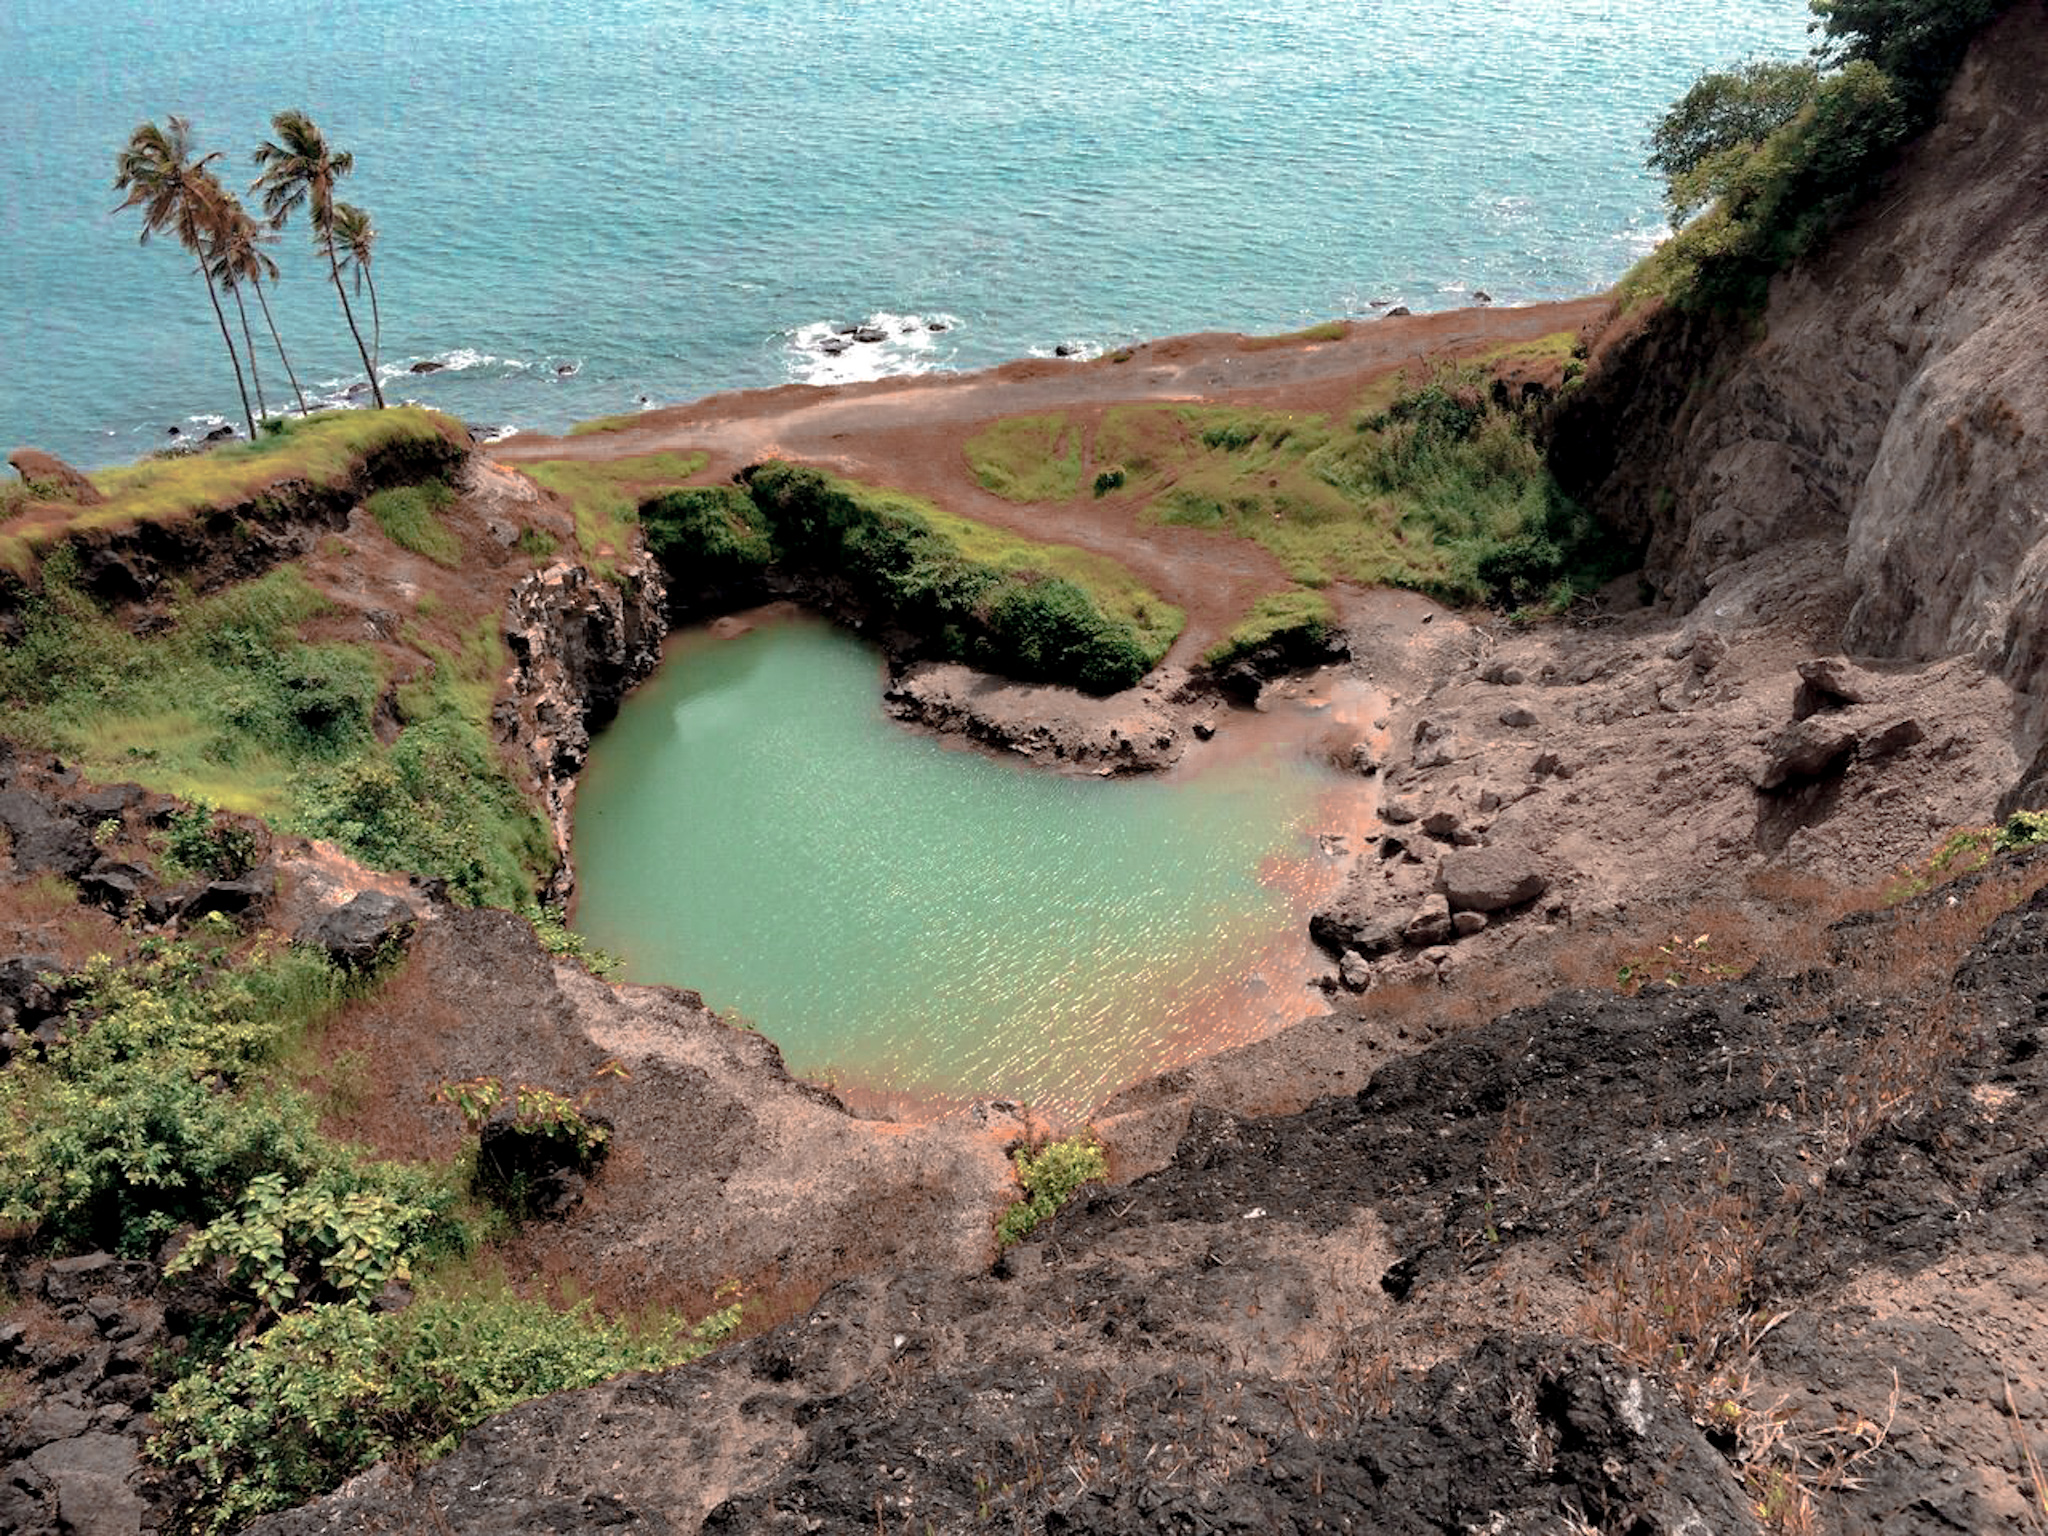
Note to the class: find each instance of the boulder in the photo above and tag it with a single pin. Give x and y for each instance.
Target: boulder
(113, 886)
(1443, 824)
(42, 839)
(1398, 311)
(50, 476)
(1398, 811)
(832, 346)
(1356, 922)
(1517, 717)
(1430, 923)
(1807, 750)
(1355, 970)
(358, 932)
(1829, 682)
(1066, 349)
(1499, 672)
(1489, 879)
(870, 333)
(90, 1475)
(231, 898)
(1893, 737)
(427, 366)
(1465, 924)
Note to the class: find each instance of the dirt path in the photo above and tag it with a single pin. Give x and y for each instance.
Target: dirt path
(908, 433)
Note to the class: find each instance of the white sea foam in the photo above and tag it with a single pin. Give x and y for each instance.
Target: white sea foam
(1069, 351)
(455, 360)
(831, 352)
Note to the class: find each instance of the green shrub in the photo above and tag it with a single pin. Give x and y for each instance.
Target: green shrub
(1032, 611)
(2022, 829)
(1782, 151)
(551, 927)
(331, 1390)
(292, 1244)
(1050, 1177)
(159, 1112)
(410, 516)
(711, 534)
(198, 840)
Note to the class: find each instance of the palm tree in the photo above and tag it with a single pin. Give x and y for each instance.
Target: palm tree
(357, 236)
(213, 261)
(299, 170)
(240, 258)
(158, 173)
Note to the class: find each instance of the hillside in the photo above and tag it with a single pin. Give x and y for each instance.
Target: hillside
(1664, 1151)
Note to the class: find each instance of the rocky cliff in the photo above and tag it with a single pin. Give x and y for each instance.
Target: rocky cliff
(1890, 405)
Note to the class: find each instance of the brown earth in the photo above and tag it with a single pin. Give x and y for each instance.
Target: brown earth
(908, 433)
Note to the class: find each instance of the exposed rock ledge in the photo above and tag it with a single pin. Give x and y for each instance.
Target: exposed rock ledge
(578, 644)
(1138, 731)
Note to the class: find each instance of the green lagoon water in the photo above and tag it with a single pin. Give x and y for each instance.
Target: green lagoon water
(905, 915)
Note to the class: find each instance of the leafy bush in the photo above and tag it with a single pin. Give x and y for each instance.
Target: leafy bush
(551, 927)
(330, 1390)
(714, 534)
(199, 840)
(158, 1113)
(1050, 1177)
(1782, 151)
(290, 1244)
(1033, 611)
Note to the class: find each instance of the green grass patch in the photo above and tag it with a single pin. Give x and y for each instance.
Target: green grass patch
(324, 448)
(1278, 616)
(229, 706)
(606, 494)
(410, 516)
(1328, 330)
(1051, 1176)
(617, 423)
(330, 1391)
(1434, 486)
(1028, 458)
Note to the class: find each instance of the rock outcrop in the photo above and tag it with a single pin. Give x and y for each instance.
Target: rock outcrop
(578, 644)
(1892, 402)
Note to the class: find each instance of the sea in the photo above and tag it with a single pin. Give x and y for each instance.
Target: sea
(589, 206)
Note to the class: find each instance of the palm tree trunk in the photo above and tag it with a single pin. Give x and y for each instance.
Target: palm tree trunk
(264, 304)
(233, 356)
(249, 345)
(334, 271)
(376, 319)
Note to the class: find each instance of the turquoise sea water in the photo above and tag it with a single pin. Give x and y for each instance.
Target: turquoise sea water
(675, 196)
(902, 914)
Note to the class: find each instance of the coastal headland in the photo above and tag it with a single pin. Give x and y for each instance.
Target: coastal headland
(1665, 1152)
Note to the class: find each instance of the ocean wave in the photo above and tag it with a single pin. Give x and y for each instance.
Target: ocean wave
(1069, 351)
(455, 360)
(884, 345)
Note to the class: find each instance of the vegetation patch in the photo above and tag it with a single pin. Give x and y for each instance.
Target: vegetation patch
(615, 423)
(1327, 330)
(326, 448)
(605, 496)
(1777, 152)
(1050, 1175)
(329, 1391)
(1028, 458)
(410, 516)
(1286, 618)
(229, 706)
(1436, 486)
(1043, 611)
